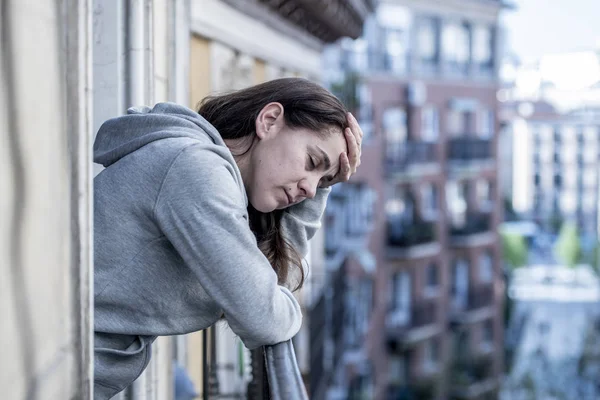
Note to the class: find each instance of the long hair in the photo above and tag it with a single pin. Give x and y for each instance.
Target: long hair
(306, 105)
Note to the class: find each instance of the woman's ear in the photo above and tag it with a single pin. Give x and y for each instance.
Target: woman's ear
(269, 121)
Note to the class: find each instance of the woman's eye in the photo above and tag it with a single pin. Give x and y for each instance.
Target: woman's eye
(312, 162)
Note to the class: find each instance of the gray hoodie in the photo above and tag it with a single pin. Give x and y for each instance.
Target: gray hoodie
(173, 249)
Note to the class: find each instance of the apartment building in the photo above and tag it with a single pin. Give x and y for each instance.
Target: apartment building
(423, 80)
(553, 136)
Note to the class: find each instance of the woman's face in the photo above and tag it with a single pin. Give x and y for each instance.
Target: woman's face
(285, 165)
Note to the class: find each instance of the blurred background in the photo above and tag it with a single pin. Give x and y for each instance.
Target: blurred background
(460, 262)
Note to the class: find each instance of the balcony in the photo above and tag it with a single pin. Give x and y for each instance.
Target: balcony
(472, 376)
(407, 157)
(406, 328)
(275, 374)
(478, 307)
(475, 229)
(465, 150)
(422, 389)
(408, 239)
(327, 325)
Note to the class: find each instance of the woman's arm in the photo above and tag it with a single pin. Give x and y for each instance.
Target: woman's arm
(201, 210)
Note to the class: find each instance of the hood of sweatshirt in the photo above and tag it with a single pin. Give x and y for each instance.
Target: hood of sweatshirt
(123, 135)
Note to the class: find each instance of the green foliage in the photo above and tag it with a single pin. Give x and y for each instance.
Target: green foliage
(555, 222)
(347, 91)
(568, 248)
(592, 257)
(514, 249)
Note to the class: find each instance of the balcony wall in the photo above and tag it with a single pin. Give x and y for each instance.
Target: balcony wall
(471, 376)
(481, 296)
(422, 313)
(469, 149)
(410, 154)
(474, 223)
(404, 234)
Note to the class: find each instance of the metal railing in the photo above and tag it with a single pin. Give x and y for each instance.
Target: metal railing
(275, 374)
(481, 296)
(474, 223)
(468, 370)
(401, 156)
(422, 313)
(406, 234)
(466, 149)
(274, 370)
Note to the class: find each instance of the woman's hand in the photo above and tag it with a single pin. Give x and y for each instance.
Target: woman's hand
(348, 162)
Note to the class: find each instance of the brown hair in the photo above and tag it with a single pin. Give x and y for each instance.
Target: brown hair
(306, 105)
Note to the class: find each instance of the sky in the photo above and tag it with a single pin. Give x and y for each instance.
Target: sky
(540, 27)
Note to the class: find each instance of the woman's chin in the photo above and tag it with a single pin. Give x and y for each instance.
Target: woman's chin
(264, 207)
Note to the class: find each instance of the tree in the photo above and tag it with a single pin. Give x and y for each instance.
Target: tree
(514, 249)
(568, 248)
(347, 91)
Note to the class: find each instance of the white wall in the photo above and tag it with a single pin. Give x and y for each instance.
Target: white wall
(45, 238)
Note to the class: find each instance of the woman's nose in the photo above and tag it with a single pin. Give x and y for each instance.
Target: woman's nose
(309, 187)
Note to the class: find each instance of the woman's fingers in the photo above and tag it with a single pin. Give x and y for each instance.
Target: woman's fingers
(345, 169)
(353, 124)
(353, 150)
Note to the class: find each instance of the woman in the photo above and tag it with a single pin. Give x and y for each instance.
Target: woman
(201, 215)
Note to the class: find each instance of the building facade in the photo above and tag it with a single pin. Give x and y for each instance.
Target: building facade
(553, 136)
(422, 81)
(87, 61)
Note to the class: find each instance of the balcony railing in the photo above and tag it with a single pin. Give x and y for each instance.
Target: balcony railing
(474, 223)
(327, 326)
(405, 234)
(402, 156)
(468, 149)
(422, 313)
(275, 374)
(481, 296)
(319, 375)
(472, 375)
(474, 306)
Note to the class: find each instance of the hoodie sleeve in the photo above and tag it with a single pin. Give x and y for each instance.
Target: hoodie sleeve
(301, 222)
(201, 210)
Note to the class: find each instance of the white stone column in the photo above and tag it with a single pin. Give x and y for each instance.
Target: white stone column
(45, 246)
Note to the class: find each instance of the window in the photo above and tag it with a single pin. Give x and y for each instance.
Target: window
(432, 276)
(589, 202)
(427, 40)
(359, 60)
(430, 124)
(395, 130)
(483, 192)
(400, 298)
(365, 110)
(591, 133)
(455, 123)
(432, 354)
(486, 267)
(486, 123)
(487, 334)
(429, 200)
(456, 201)
(399, 202)
(398, 370)
(455, 43)
(568, 201)
(460, 284)
(395, 49)
(482, 46)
